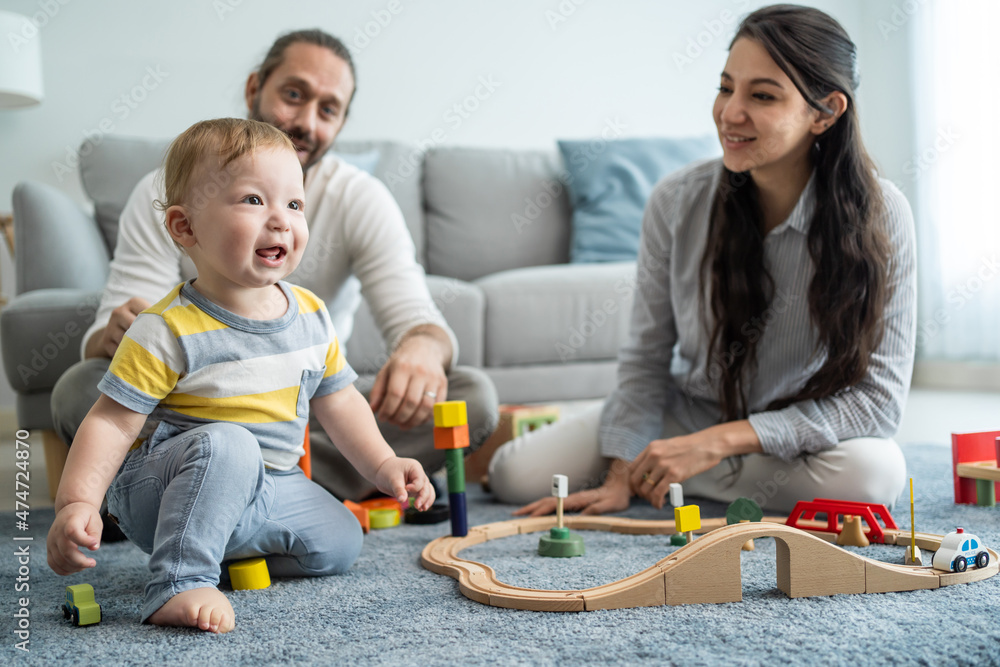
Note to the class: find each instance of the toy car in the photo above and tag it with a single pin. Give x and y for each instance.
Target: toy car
(960, 550)
(80, 605)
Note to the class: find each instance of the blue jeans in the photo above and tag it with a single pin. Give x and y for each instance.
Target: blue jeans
(193, 499)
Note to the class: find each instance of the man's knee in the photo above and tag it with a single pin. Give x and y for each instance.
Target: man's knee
(475, 387)
(75, 394)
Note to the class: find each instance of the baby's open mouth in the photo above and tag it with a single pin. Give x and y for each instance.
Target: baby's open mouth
(273, 253)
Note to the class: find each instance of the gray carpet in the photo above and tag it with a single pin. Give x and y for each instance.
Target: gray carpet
(389, 610)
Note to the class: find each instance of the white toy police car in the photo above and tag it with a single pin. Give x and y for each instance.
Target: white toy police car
(960, 550)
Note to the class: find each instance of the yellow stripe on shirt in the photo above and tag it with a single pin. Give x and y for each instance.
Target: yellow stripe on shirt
(164, 303)
(271, 406)
(334, 359)
(190, 319)
(308, 302)
(143, 370)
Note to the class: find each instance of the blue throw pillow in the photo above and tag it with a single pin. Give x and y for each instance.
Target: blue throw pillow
(609, 183)
(364, 161)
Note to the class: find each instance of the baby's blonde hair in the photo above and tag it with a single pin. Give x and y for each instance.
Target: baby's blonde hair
(223, 140)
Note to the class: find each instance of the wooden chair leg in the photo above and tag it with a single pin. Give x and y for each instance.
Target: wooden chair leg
(56, 452)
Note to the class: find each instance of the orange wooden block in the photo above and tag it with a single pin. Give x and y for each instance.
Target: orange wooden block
(361, 514)
(306, 461)
(382, 504)
(451, 437)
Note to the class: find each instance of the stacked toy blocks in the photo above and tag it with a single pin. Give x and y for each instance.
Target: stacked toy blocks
(451, 433)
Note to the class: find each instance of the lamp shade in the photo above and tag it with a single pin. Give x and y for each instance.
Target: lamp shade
(20, 62)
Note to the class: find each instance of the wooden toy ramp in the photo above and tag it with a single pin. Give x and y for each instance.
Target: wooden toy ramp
(706, 570)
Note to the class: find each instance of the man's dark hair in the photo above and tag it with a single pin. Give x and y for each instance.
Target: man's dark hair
(276, 55)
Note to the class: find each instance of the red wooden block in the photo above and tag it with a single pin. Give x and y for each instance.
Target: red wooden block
(966, 448)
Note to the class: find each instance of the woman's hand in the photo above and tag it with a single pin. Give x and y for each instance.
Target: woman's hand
(613, 495)
(664, 462)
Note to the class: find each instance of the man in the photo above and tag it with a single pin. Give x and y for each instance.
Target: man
(304, 87)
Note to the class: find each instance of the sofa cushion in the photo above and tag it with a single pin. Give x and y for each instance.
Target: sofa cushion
(491, 210)
(609, 184)
(551, 314)
(110, 168)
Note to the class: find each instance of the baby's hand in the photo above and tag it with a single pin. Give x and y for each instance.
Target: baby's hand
(76, 525)
(403, 478)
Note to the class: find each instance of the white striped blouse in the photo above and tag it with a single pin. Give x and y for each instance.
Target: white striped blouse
(662, 366)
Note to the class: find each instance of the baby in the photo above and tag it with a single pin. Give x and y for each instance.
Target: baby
(196, 437)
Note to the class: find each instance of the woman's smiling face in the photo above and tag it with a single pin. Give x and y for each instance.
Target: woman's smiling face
(762, 119)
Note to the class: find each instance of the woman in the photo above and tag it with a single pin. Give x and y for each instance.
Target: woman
(773, 331)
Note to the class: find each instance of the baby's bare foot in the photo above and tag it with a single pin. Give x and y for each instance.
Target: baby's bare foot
(202, 608)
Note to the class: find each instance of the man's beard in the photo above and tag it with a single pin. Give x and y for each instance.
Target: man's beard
(314, 155)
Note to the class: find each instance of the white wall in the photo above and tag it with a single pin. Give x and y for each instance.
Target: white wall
(561, 70)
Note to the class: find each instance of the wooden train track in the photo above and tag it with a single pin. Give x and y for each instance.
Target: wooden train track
(706, 570)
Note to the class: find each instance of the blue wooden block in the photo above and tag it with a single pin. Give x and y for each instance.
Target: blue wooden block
(459, 515)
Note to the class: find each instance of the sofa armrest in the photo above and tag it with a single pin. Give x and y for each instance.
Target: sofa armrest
(462, 305)
(40, 334)
(58, 243)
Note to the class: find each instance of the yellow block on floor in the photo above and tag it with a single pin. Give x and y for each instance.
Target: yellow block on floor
(249, 575)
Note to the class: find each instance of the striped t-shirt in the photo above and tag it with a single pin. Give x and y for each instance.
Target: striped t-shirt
(189, 362)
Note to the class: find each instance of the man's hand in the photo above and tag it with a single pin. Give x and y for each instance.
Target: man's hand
(612, 496)
(76, 525)
(413, 379)
(104, 342)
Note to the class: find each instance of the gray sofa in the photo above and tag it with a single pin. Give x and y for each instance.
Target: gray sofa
(491, 227)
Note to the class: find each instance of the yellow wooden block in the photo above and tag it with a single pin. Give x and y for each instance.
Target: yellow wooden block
(383, 518)
(687, 518)
(249, 575)
(450, 413)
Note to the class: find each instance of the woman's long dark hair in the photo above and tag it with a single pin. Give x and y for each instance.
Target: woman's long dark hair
(847, 240)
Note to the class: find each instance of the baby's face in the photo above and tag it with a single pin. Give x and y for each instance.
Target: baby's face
(253, 232)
